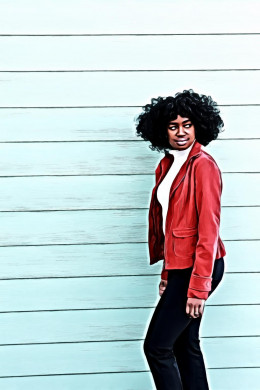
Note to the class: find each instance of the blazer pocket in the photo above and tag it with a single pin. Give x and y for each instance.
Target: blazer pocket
(185, 241)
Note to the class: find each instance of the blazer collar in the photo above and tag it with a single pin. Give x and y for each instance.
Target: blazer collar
(196, 148)
(169, 159)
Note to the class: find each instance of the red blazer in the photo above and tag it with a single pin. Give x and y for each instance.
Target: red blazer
(192, 222)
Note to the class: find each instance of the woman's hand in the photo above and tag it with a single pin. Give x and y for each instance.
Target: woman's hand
(162, 286)
(195, 307)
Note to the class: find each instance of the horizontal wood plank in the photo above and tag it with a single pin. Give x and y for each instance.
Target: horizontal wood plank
(118, 356)
(80, 192)
(103, 124)
(84, 17)
(129, 52)
(52, 89)
(219, 379)
(83, 158)
(107, 226)
(119, 259)
(116, 324)
(112, 292)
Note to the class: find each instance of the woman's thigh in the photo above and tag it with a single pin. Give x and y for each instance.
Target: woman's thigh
(217, 274)
(169, 318)
(190, 334)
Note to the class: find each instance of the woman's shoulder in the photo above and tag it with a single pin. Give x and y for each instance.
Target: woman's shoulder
(206, 168)
(205, 160)
(162, 162)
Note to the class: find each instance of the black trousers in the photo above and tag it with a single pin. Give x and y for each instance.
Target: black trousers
(172, 344)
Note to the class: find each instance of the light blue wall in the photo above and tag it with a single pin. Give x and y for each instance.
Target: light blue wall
(76, 288)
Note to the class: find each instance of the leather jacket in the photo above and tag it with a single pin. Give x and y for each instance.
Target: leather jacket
(192, 223)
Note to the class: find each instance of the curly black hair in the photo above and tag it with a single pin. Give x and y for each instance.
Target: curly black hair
(202, 111)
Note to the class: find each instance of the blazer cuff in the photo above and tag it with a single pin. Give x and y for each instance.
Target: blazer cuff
(197, 294)
(200, 283)
(164, 274)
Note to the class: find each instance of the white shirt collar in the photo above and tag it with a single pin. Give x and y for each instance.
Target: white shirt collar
(181, 153)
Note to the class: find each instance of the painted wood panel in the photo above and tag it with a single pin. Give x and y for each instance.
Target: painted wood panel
(129, 52)
(116, 324)
(115, 356)
(83, 158)
(105, 123)
(219, 379)
(120, 292)
(107, 226)
(128, 17)
(81, 192)
(61, 237)
(52, 89)
(52, 261)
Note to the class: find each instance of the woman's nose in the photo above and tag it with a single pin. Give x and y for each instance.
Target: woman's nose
(181, 131)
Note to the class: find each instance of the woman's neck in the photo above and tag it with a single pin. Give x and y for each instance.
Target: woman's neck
(181, 152)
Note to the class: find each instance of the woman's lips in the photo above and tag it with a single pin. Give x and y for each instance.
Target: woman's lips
(181, 142)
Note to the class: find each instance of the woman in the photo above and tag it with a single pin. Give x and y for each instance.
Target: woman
(184, 219)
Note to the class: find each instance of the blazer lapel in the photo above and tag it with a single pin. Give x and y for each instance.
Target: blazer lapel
(195, 151)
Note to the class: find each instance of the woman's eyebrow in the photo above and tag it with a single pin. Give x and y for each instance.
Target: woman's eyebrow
(186, 120)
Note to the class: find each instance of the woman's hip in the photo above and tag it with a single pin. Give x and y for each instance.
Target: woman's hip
(183, 275)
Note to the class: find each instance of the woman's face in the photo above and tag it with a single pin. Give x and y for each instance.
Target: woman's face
(181, 133)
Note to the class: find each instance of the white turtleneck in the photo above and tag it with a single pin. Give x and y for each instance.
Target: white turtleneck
(163, 190)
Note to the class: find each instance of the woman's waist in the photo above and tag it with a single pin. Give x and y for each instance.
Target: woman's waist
(188, 270)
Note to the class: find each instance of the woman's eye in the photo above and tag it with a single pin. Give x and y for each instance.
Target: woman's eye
(174, 127)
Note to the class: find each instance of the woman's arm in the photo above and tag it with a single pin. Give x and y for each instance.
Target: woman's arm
(164, 279)
(208, 189)
(164, 273)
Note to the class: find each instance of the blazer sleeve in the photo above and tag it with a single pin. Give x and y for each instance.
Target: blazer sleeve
(208, 189)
